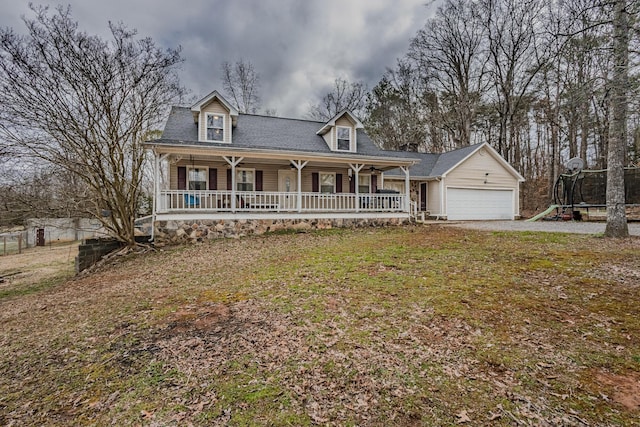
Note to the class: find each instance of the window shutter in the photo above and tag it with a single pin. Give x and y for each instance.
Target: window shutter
(258, 180)
(374, 183)
(352, 184)
(229, 179)
(213, 179)
(338, 183)
(182, 177)
(315, 182)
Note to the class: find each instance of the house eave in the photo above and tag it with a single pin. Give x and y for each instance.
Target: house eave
(186, 147)
(412, 178)
(197, 107)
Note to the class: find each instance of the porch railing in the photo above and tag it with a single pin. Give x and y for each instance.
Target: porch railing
(267, 201)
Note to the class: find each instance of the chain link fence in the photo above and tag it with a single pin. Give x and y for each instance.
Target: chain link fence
(13, 243)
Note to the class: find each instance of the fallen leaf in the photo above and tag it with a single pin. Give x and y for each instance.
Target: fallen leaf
(493, 417)
(463, 417)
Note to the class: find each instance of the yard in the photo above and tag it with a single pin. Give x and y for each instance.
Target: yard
(407, 326)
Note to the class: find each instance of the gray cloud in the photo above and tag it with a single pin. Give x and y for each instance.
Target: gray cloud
(297, 47)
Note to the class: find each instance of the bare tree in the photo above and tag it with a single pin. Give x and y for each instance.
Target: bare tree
(616, 213)
(344, 96)
(86, 104)
(449, 50)
(34, 189)
(241, 83)
(513, 30)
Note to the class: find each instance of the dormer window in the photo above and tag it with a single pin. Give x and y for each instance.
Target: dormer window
(340, 133)
(215, 127)
(344, 138)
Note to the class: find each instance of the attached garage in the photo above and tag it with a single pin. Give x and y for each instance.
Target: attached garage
(479, 204)
(470, 183)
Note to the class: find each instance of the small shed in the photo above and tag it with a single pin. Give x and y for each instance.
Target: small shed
(41, 231)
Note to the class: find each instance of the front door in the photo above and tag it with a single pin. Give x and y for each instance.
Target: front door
(288, 183)
(40, 237)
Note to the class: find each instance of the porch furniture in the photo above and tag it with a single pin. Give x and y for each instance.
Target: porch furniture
(191, 201)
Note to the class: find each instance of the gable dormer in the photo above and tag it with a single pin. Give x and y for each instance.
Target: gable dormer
(215, 118)
(340, 133)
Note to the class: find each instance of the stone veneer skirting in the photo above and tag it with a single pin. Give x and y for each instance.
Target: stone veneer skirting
(191, 231)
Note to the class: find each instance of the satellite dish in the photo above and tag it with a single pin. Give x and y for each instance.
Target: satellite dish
(575, 164)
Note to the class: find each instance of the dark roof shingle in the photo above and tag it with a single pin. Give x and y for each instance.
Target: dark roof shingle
(434, 165)
(264, 132)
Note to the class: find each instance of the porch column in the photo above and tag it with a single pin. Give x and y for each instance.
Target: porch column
(157, 159)
(156, 186)
(233, 161)
(299, 164)
(407, 189)
(156, 193)
(356, 168)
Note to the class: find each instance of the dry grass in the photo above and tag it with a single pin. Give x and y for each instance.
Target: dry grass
(37, 268)
(407, 326)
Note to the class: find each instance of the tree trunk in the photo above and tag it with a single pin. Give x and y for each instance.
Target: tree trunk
(616, 215)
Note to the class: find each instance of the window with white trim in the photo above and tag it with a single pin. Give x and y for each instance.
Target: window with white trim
(327, 182)
(343, 138)
(215, 127)
(197, 178)
(245, 179)
(364, 184)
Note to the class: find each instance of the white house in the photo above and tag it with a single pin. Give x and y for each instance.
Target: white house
(217, 170)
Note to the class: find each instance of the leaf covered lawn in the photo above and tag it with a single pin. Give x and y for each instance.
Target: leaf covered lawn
(401, 326)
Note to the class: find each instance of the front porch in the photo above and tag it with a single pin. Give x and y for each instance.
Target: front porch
(228, 201)
(201, 192)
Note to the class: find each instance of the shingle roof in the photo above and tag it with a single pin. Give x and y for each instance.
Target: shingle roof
(264, 132)
(435, 165)
(180, 125)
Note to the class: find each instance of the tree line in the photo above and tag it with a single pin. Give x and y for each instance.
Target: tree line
(541, 81)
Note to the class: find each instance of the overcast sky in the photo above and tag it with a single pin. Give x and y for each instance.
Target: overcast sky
(298, 47)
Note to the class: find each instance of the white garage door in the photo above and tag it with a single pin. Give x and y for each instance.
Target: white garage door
(469, 204)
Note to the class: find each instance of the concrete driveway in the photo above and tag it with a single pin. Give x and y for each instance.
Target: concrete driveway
(578, 227)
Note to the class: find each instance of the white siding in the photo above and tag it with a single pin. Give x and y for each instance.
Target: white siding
(433, 198)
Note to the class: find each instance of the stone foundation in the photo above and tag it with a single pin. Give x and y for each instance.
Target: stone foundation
(192, 231)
